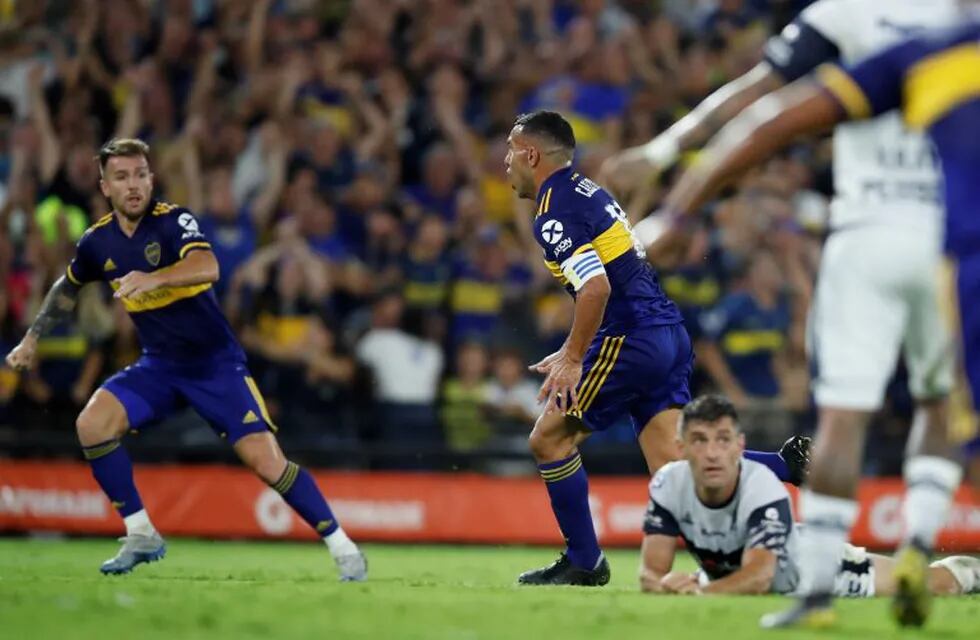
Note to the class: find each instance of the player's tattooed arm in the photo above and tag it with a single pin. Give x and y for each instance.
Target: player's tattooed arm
(57, 307)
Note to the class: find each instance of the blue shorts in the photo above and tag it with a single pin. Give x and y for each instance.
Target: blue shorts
(224, 394)
(634, 376)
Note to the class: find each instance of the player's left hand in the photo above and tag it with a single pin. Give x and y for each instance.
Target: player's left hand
(135, 283)
(558, 389)
(681, 583)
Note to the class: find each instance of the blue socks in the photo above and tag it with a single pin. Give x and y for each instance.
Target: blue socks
(772, 460)
(568, 487)
(114, 472)
(300, 492)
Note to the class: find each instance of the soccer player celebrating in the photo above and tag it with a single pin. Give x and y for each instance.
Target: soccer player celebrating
(933, 80)
(626, 338)
(162, 270)
(735, 519)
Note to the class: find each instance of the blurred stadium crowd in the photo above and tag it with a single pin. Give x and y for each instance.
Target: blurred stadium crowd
(345, 158)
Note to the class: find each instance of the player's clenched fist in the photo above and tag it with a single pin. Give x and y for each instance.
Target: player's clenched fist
(136, 282)
(22, 356)
(680, 583)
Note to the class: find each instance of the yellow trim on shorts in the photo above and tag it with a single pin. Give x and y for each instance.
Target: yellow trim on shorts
(615, 345)
(259, 400)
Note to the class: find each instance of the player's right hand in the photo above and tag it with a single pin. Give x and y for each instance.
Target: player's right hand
(21, 357)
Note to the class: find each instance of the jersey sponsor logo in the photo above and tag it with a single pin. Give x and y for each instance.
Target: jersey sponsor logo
(189, 224)
(109, 265)
(586, 187)
(563, 246)
(552, 231)
(152, 253)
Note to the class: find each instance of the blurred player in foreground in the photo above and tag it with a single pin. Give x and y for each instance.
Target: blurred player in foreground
(735, 518)
(935, 81)
(627, 338)
(162, 269)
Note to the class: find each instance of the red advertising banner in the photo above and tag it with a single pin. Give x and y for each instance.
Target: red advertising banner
(229, 502)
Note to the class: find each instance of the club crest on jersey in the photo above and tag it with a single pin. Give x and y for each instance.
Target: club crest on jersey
(152, 253)
(552, 231)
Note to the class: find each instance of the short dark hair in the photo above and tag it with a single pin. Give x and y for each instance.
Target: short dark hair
(123, 147)
(707, 408)
(548, 124)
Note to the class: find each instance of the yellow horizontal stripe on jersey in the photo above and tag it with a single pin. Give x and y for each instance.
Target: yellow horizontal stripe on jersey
(613, 242)
(556, 271)
(62, 347)
(71, 277)
(939, 83)
(700, 293)
(846, 90)
(743, 343)
(424, 294)
(583, 249)
(190, 246)
(161, 297)
(471, 296)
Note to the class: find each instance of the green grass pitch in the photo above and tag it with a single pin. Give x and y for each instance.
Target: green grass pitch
(216, 590)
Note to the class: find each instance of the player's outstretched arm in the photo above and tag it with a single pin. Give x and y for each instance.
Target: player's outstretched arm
(564, 369)
(198, 267)
(56, 308)
(756, 134)
(753, 578)
(630, 167)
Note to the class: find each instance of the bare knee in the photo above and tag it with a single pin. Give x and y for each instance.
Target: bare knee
(103, 418)
(550, 440)
(261, 453)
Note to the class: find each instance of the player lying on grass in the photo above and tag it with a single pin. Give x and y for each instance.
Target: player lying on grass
(161, 267)
(931, 81)
(627, 355)
(735, 518)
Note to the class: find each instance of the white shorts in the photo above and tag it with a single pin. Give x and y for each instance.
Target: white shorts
(876, 295)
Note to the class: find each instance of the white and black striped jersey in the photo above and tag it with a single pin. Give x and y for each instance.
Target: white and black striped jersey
(882, 172)
(758, 515)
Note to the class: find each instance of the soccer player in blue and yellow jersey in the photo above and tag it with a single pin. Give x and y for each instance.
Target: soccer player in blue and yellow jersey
(627, 354)
(162, 270)
(934, 80)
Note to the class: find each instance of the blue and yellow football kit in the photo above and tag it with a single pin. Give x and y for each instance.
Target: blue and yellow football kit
(641, 358)
(935, 80)
(189, 353)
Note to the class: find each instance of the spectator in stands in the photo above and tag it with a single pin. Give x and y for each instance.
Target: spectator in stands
(512, 397)
(465, 396)
(406, 369)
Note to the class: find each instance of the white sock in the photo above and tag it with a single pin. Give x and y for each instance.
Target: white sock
(139, 524)
(930, 482)
(827, 522)
(340, 544)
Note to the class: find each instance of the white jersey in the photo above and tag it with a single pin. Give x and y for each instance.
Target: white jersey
(758, 515)
(883, 173)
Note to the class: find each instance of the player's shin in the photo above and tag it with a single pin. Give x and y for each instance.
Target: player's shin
(298, 488)
(568, 488)
(827, 521)
(930, 482)
(113, 471)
